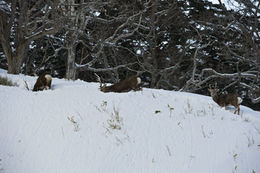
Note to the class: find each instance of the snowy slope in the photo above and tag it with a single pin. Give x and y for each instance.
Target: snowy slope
(75, 128)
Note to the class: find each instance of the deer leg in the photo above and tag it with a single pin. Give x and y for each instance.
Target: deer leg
(237, 110)
(137, 89)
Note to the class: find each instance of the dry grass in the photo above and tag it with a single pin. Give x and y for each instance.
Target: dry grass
(7, 82)
(75, 124)
(115, 121)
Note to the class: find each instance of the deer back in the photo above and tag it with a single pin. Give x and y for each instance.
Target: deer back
(224, 99)
(43, 82)
(231, 99)
(221, 99)
(125, 85)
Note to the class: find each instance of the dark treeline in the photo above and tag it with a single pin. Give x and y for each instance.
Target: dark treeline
(180, 45)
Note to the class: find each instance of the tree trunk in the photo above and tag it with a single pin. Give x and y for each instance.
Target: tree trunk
(16, 59)
(13, 68)
(12, 60)
(71, 68)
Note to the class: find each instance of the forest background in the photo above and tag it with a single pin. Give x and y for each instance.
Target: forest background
(182, 45)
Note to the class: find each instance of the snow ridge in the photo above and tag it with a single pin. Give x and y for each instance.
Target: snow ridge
(149, 131)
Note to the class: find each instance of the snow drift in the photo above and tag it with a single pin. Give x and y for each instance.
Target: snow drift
(76, 128)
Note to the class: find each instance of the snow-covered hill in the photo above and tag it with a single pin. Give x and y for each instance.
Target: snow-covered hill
(75, 128)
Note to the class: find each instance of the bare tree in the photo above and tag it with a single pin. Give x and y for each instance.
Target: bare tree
(100, 32)
(225, 48)
(22, 22)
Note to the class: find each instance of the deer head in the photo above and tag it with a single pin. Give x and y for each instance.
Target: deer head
(43, 82)
(126, 85)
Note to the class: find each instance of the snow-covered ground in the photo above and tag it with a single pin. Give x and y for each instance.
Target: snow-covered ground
(75, 128)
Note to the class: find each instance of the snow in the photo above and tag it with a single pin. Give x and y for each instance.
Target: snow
(76, 128)
(229, 4)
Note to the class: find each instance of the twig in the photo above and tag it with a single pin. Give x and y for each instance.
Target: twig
(26, 85)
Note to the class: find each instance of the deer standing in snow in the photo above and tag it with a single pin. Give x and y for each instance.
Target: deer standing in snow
(128, 84)
(43, 82)
(225, 99)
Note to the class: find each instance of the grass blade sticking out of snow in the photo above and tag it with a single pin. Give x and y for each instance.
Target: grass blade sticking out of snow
(115, 121)
(75, 124)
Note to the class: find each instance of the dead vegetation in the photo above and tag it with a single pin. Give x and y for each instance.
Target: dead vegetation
(75, 124)
(115, 121)
(7, 82)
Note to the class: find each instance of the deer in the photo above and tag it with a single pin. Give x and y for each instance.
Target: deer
(126, 85)
(225, 99)
(43, 82)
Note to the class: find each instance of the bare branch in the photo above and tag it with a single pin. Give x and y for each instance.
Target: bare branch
(226, 75)
(256, 100)
(103, 69)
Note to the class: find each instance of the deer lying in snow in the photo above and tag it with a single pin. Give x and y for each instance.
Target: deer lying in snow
(224, 100)
(128, 84)
(43, 82)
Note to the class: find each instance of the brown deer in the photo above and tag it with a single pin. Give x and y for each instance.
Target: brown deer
(225, 99)
(128, 84)
(43, 82)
